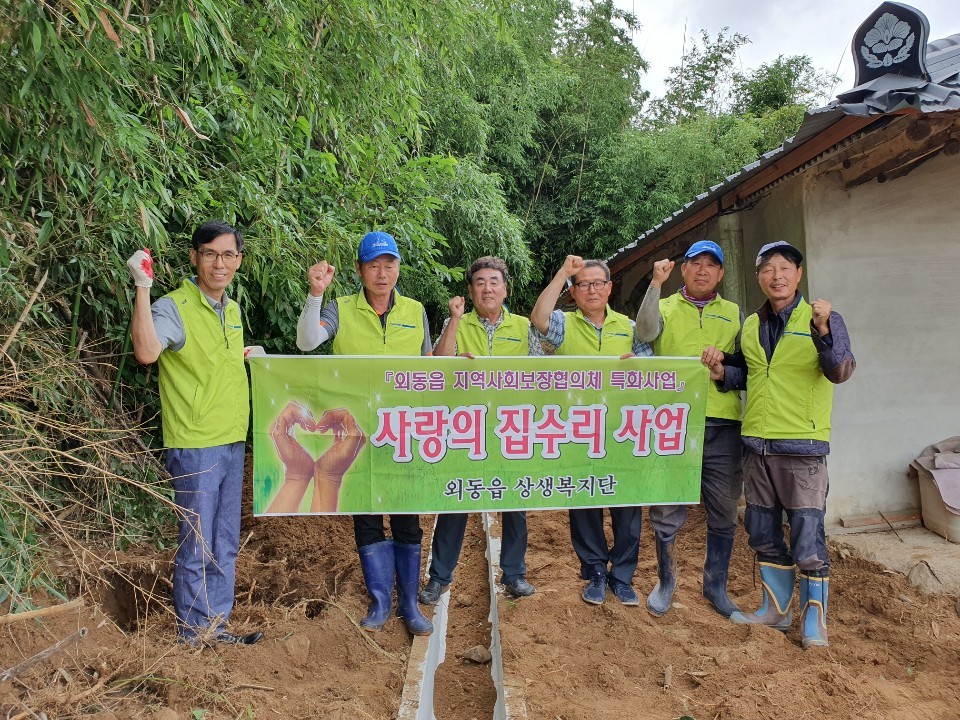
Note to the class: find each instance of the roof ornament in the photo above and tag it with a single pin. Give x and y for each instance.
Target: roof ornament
(892, 40)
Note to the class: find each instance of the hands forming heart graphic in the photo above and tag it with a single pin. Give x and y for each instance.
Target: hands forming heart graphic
(300, 467)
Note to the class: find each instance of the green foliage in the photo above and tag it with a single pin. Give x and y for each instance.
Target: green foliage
(701, 82)
(70, 469)
(644, 176)
(463, 128)
(787, 81)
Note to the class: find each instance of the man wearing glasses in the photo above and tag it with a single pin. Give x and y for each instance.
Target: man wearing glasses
(595, 329)
(196, 336)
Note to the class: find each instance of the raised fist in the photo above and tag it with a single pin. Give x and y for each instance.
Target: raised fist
(456, 307)
(661, 272)
(821, 315)
(572, 265)
(140, 265)
(320, 277)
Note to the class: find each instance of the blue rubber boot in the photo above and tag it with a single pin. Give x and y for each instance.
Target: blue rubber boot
(377, 563)
(660, 599)
(715, 569)
(813, 614)
(408, 583)
(775, 612)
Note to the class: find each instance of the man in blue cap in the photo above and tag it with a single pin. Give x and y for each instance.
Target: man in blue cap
(683, 324)
(378, 320)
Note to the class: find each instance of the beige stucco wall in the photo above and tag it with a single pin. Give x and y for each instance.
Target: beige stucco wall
(888, 257)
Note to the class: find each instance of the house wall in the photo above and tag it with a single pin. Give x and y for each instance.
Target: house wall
(888, 257)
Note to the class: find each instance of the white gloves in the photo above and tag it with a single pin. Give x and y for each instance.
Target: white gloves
(253, 351)
(140, 266)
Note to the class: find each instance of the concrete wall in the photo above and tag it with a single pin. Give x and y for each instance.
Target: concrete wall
(888, 257)
(778, 216)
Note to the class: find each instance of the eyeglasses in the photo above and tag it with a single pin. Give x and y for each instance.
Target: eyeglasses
(229, 257)
(597, 285)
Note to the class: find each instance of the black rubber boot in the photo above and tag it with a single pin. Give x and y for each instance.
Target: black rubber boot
(659, 601)
(715, 569)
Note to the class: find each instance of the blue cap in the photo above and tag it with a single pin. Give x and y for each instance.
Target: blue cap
(375, 244)
(779, 247)
(705, 246)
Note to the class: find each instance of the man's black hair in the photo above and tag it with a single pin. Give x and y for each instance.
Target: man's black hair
(211, 230)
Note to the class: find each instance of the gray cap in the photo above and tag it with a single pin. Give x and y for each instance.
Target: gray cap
(783, 248)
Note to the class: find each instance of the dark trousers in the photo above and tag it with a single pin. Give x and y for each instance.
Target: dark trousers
(797, 484)
(590, 544)
(721, 484)
(368, 529)
(448, 541)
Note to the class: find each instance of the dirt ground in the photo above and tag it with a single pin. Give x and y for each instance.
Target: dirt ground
(894, 653)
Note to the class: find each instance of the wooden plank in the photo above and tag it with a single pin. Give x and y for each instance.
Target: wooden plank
(895, 516)
(42, 612)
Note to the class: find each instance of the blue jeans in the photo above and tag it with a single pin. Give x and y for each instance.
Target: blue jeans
(208, 483)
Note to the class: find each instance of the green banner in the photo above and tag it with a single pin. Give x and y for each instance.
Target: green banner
(337, 434)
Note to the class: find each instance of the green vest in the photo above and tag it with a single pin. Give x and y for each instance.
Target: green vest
(789, 399)
(361, 332)
(510, 338)
(203, 386)
(580, 335)
(686, 332)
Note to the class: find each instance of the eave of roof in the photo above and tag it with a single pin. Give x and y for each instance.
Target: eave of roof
(823, 128)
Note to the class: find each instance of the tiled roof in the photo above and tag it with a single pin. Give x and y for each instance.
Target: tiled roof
(886, 94)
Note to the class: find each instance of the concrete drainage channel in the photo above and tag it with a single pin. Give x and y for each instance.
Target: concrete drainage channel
(429, 652)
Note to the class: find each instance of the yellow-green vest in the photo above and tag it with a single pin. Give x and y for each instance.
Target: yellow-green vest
(510, 338)
(687, 331)
(360, 331)
(203, 386)
(789, 398)
(580, 335)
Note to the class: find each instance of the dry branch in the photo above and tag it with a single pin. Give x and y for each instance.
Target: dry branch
(23, 315)
(42, 612)
(43, 655)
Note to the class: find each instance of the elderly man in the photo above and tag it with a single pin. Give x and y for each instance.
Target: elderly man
(792, 355)
(488, 330)
(378, 320)
(196, 335)
(684, 324)
(595, 329)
